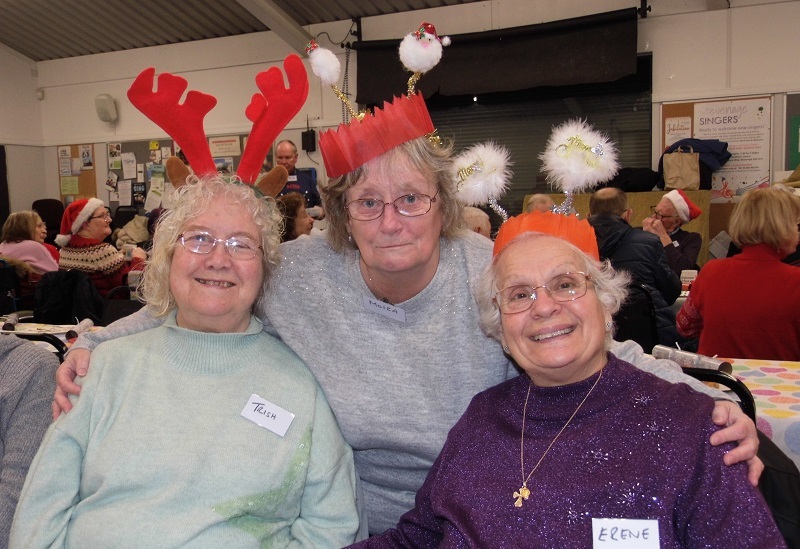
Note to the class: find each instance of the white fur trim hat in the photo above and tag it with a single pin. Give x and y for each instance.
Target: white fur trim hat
(75, 216)
(687, 210)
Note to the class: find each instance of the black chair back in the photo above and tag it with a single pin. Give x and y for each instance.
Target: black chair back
(51, 210)
(636, 319)
(66, 297)
(746, 400)
(123, 215)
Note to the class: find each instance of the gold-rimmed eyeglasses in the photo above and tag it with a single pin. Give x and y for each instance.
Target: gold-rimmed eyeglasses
(408, 205)
(562, 288)
(202, 242)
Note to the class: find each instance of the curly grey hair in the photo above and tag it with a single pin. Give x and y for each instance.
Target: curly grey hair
(193, 199)
(609, 285)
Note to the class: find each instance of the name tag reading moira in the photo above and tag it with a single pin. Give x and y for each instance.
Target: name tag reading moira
(615, 533)
(386, 309)
(268, 415)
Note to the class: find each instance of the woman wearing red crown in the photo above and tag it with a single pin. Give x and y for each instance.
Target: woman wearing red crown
(383, 310)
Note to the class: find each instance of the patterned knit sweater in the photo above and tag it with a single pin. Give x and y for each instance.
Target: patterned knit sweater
(101, 261)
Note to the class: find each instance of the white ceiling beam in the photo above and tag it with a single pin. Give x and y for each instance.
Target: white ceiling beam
(279, 22)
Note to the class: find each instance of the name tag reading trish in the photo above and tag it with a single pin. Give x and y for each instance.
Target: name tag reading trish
(615, 533)
(386, 309)
(267, 415)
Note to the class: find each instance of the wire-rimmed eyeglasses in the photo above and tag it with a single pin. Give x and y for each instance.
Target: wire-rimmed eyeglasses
(101, 216)
(408, 205)
(561, 288)
(202, 242)
(659, 215)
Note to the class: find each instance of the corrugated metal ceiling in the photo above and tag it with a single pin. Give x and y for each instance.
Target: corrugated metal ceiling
(56, 29)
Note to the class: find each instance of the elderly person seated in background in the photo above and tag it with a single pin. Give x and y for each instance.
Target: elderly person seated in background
(682, 247)
(23, 237)
(539, 203)
(559, 456)
(204, 430)
(27, 381)
(477, 221)
(296, 221)
(748, 305)
(85, 225)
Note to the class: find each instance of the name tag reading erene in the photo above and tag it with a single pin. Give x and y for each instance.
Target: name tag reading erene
(268, 415)
(616, 533)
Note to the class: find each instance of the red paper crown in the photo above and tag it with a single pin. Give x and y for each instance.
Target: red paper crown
(352, 145)
(567, 227)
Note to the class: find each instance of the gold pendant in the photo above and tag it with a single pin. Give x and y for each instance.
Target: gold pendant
(523, 493)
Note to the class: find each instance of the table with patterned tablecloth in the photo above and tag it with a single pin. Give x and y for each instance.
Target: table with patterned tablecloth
(776, 388)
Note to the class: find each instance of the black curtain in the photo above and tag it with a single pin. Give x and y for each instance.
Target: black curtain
(583, 50)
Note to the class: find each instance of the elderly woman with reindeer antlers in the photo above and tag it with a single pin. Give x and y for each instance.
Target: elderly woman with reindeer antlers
(203, 431)
(383, 309)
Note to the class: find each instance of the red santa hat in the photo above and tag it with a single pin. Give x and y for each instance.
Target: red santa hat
(75, 216)
(687, 210)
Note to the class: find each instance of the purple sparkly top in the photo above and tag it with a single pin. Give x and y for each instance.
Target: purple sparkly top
(637, 449)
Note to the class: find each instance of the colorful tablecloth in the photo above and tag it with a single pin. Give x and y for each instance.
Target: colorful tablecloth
(776, 388)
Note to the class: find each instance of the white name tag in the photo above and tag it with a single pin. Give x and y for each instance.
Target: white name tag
(626, 533)
(267, 415)
(292, 178)
(386, 309)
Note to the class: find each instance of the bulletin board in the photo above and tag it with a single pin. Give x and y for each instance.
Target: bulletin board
(76, 172)
(145, 165)
(743, 123)
(132, 168)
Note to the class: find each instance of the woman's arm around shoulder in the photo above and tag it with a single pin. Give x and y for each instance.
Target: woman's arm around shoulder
(76, 363)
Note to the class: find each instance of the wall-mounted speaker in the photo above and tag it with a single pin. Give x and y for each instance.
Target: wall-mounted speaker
(106, 108)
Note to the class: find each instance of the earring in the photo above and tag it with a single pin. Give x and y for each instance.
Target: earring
(505, 348)
(608, 324)
(349, 238)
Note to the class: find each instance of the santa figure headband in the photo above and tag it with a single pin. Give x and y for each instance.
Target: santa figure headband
(269, 111)
(403, 119)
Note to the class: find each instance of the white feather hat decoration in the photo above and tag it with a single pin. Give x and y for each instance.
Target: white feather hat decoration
(577, 157)
(482, 173)
(324, 64)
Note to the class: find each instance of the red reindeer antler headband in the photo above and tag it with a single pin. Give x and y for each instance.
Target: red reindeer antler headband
(269, 111)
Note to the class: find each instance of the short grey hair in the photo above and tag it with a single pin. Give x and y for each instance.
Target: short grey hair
(609, 285)
(192, 199)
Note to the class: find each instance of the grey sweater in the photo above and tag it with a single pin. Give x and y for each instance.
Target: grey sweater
(27, 383)
(395, 387)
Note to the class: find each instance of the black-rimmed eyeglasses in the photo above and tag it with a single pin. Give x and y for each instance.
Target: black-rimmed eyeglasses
(409, 205)
(106, 216)
(202, 242)
(561, 288)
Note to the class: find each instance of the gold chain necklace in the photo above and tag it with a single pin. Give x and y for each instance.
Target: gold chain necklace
(371, 284)
(524, 492)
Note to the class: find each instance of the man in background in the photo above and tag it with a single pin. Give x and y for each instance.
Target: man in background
(637, 252)
(682, 247)
(299, 182)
